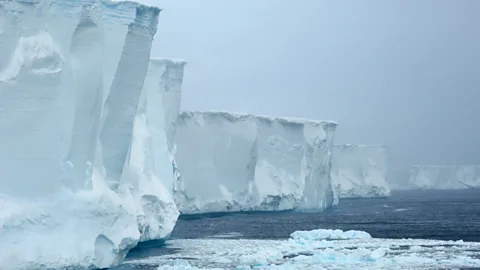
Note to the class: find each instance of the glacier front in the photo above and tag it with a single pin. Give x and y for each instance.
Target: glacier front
(78, 184)
(444, 177)
(235, 162)
(360, 171)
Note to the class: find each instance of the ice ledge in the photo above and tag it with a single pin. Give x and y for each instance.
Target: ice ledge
(165, 61)
(361, 146)
(237, 116)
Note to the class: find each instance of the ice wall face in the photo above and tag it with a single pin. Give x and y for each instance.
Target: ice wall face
(360, 171)
(72, 134)
(444, 177)
(171, 86)
(231, 162)
(150, 162)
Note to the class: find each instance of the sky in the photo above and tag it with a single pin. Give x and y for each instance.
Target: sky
(404, 73)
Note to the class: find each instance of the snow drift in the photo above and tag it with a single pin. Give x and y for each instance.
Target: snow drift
(360, 171)
(444, 177)
(232, 162)
(84, 165)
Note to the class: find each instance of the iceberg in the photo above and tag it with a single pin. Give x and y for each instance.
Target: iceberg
(444, 177)
(236, 162)
(85, 163)
(360, 171)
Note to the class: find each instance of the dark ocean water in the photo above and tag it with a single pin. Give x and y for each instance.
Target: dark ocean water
(442, 215)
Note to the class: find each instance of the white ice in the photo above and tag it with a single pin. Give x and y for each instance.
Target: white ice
(76, 189)
(444, 177)
(360, 171)
(234, 162)
(149, 170)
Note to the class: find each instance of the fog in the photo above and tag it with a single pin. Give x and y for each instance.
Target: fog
(404, 73)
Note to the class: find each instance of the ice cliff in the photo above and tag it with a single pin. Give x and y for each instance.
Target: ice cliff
(233, 162)
(360, 171)
(444, 177)
(85, 133)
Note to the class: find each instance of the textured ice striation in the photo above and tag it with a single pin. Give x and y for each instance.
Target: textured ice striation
(151, 165)
(78, 184)
(360, 171)
(233, 162)
(444, 177)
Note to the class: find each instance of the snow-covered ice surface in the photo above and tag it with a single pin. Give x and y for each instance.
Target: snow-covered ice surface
(233, 162)
(360, 171)
(444, 177)
(314, 250)
(77, 184)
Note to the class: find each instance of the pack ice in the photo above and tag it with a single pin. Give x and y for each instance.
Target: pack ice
(85, 168)
(360, 171)
(444, 177)
(234, 162)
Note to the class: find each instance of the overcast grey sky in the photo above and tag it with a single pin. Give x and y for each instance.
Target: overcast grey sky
(404, 73)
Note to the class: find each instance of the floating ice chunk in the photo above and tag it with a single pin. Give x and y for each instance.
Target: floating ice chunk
(181, 265)
(322, 234)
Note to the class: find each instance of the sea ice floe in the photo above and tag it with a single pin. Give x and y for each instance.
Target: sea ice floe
(355, 250)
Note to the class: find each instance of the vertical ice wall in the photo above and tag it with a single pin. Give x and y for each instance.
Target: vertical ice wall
(360, 171)
(171, 85)
(444, 177)
(149, 166)
(318, 191)
(231, 162)
(71, 80)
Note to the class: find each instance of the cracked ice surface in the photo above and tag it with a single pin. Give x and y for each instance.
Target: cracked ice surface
(310, 250)
(233, 162)
(75, 190)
